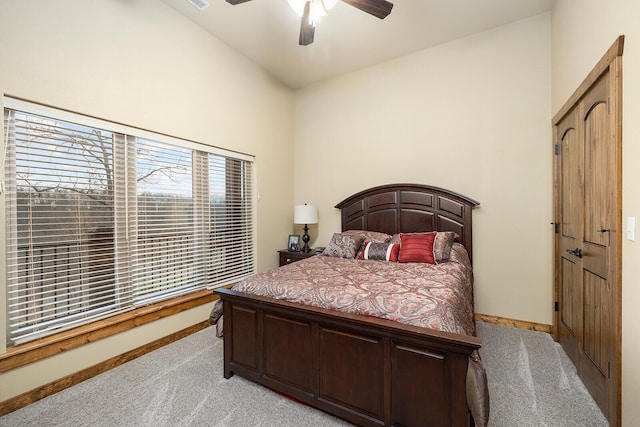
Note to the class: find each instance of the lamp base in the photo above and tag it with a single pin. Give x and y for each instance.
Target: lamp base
(305, 239)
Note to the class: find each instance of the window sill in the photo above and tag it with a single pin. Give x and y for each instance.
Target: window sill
(24, 354)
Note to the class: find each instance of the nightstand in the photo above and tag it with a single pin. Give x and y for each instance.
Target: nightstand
(287, 257)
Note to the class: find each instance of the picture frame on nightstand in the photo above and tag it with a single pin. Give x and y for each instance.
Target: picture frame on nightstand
(294, 243)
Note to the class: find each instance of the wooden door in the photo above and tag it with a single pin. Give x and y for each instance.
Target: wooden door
(570, 149)
(588, 216)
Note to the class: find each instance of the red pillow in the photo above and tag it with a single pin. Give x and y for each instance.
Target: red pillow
(380, 251)
(417, 247)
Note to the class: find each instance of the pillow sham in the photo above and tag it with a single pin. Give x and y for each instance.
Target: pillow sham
(343, 246)
(417, 247)
(380, 252)
(369, 236)
(442, 245)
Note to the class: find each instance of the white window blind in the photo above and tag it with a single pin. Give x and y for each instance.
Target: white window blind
(100, 221)
(231, 241)
(166, 228)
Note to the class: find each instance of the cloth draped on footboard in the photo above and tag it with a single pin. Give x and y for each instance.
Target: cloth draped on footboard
(437, 297)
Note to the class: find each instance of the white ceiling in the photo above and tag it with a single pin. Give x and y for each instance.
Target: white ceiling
(266, 31)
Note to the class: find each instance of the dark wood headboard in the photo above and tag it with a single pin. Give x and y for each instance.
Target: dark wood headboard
(409, 208)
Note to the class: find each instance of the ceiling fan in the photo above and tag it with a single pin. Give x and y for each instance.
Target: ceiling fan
(312, 9)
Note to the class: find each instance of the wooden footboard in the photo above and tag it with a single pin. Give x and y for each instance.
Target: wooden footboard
(363, 369)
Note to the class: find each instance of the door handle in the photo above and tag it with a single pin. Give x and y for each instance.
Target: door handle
(576, 252)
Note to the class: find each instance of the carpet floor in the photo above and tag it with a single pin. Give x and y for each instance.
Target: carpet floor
(531, 383)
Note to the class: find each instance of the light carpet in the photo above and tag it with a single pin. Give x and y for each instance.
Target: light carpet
(531, 383)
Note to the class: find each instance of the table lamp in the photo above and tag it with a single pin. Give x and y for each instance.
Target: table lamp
(305, 214)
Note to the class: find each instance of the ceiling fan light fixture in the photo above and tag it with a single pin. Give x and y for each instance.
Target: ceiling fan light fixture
(310, 10)
(319, 8)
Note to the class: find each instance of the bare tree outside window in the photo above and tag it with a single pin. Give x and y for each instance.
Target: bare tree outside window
(165, 219)
(99, 222)
(65, 215)
(64, 218)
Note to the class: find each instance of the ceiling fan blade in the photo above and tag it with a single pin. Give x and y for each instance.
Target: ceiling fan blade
(237, 1)
(307, 26)
(378, 8)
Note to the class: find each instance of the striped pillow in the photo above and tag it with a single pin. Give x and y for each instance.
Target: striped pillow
(380, 251)
(417, 247)
(441, 245)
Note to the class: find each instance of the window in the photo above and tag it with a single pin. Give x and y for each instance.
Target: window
(165, 243)
(101, 218)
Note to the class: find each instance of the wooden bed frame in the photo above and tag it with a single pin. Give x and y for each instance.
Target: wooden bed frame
(366, 370)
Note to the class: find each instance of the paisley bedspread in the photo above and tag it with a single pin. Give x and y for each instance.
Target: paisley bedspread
(434, 296)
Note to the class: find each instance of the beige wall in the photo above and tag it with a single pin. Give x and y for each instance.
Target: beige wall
(472, 116)
(582, 31)
(142, 64)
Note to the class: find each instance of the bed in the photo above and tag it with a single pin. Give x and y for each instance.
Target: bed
(357, 364)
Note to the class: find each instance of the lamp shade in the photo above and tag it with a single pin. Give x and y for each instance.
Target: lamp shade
(305, 214)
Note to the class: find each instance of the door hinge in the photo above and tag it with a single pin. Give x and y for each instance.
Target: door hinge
(556, 149)
(556, 227)
(608, 369)
(555, 306)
